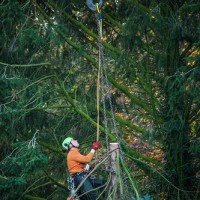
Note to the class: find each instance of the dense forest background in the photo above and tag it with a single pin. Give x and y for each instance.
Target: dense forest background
(48, 77)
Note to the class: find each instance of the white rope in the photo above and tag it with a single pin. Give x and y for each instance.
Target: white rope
(33, 142)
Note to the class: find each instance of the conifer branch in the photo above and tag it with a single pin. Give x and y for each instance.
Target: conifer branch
(26, 65)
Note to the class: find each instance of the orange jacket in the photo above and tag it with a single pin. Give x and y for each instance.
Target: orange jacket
(76, 161)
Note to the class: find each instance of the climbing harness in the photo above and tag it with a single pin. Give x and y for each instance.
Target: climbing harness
(70, 180)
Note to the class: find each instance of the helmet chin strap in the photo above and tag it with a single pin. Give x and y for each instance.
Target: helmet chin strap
(73, 145)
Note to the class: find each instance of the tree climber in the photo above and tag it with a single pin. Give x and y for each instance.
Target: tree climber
(77, 164)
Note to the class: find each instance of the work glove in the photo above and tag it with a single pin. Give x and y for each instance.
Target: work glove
(96, 145)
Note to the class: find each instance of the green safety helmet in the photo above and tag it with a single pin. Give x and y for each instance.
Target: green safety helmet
(66, 143)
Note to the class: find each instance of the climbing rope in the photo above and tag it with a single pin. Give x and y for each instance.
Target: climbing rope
(102, 75)
(105, 92)
(99, 73)
(96, 7)
(102, 79)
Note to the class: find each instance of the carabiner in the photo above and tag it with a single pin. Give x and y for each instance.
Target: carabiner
(92, 6)
(92, 177)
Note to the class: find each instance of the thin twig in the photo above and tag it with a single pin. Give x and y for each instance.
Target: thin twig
(27, 65)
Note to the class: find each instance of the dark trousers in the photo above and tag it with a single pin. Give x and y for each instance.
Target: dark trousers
(87, 186)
